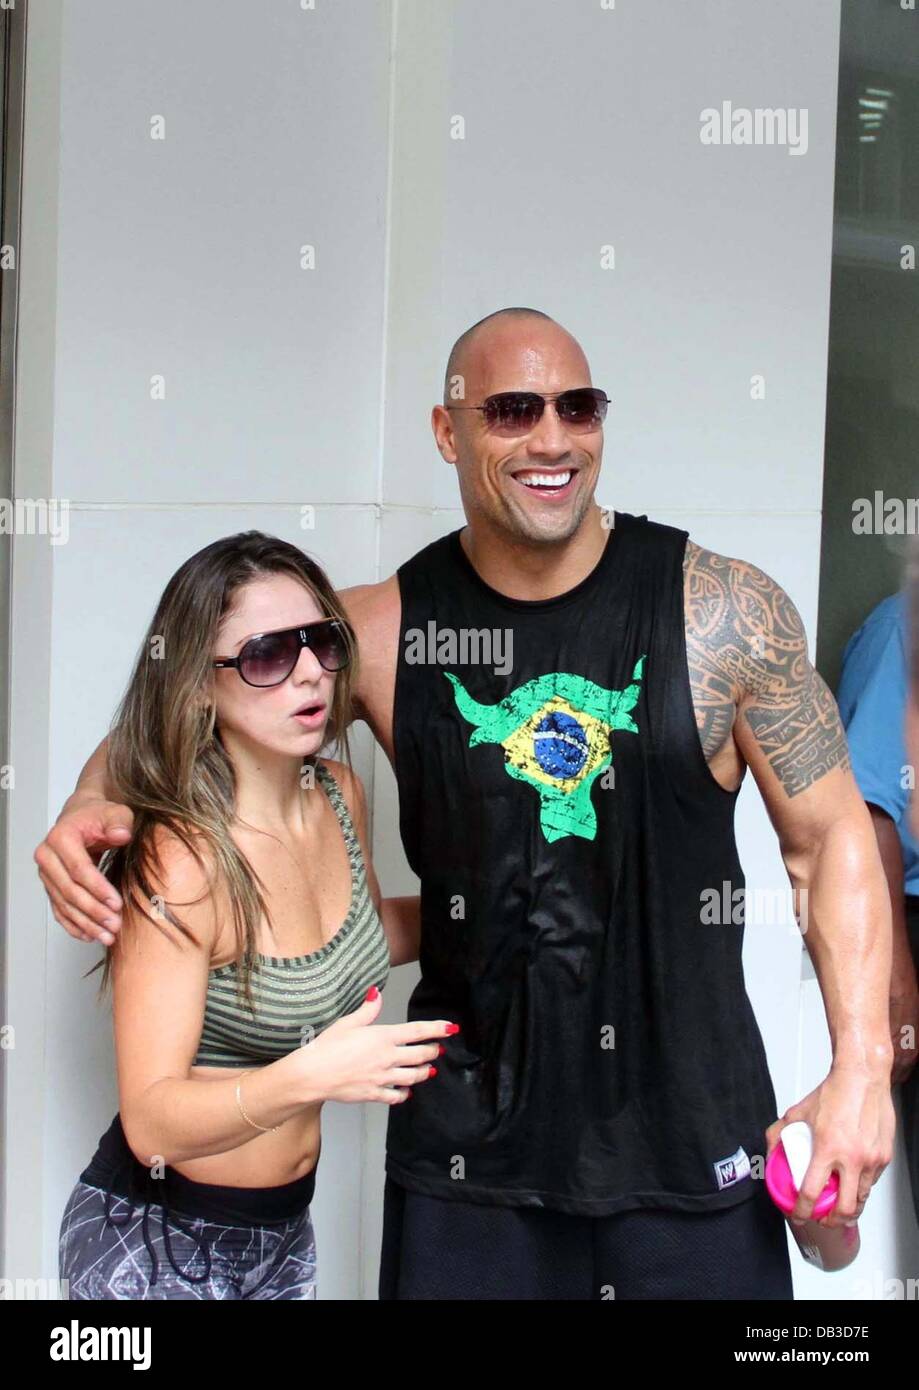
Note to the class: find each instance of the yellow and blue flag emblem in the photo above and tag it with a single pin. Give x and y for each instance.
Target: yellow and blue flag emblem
(555, 731)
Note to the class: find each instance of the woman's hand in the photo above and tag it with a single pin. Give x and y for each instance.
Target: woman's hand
(355, 1059)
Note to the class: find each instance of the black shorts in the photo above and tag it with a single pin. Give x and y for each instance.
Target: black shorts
(434, 1247)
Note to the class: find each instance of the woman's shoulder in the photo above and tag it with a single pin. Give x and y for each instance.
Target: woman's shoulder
(350, 786)
(185, 855)
(180, 869)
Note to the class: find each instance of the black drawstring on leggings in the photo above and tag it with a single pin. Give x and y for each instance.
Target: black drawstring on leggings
(154, 1198)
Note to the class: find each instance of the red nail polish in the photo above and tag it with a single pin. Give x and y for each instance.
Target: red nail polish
(372, 993)
(440, 1049)
(432, 1072)
(453, 1028)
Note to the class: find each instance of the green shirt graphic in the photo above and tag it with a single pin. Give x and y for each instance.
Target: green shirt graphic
(555, 731)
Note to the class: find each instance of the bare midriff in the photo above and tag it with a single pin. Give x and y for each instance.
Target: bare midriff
(267, 1160)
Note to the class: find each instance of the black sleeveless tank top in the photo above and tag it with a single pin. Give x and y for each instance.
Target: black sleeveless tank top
(556, 804)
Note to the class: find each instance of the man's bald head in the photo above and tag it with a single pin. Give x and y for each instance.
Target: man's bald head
(462, 349)
(519, 350)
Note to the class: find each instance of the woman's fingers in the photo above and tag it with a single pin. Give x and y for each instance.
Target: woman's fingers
(392, 1095)
(416, 1053)
(410, 1076)
(421, 1030)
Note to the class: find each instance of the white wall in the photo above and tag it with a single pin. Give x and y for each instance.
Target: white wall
(182, 257)
(288, 387)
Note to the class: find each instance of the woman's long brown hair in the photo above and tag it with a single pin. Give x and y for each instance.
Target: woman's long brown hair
(166, 760)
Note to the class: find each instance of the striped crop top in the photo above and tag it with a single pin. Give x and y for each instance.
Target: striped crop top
(294, 993)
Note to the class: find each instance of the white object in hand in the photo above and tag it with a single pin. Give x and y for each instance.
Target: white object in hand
(798, 1143)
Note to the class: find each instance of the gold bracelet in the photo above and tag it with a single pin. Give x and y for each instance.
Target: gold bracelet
(239, 1105)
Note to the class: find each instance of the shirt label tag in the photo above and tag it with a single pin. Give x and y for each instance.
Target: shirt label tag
(733, 1169)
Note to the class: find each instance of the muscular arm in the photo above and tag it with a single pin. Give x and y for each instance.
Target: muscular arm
(749, 650)
(747, 654)
(375, 611)
(92, 783)
(750, 658)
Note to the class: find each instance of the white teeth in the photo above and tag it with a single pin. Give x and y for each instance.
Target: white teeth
(544, 479)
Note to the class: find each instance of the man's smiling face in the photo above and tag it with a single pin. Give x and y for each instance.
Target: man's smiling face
(536, 486)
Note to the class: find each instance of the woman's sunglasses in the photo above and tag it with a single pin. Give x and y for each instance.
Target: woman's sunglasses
(517, 412)
(269, 658)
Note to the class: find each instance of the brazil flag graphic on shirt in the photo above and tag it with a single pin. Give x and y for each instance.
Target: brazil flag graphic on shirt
(555, 732)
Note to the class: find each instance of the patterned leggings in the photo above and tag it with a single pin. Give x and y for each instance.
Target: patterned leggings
(113, 1248)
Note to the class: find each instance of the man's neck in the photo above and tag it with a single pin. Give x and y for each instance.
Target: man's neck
(532, 570)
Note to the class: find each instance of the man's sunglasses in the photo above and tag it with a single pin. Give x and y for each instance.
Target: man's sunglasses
(517, 412)
(269, 658)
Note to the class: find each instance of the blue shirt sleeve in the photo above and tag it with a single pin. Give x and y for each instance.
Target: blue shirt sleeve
(872, 704)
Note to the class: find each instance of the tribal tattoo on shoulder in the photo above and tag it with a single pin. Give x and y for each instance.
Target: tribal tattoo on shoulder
(747, 655)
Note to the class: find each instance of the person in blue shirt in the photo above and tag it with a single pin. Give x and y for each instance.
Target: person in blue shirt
(872, 697)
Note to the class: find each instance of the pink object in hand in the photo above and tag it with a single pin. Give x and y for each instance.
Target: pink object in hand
(783, 1189)
(826, 1247)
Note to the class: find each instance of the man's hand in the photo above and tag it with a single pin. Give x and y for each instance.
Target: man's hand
(852, 1119)
(82, 899)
